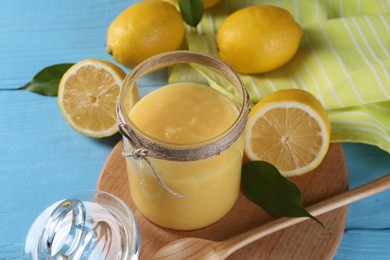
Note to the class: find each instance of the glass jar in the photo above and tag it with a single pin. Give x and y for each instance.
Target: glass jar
(183, 141)
(91, 225)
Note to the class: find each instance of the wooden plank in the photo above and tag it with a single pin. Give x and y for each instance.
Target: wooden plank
(36, 34)
(42, 160)
(366, 163)
(363, 244)
(10, 251)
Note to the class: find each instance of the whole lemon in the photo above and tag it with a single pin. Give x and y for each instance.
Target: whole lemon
(258, 39)
(144, 30)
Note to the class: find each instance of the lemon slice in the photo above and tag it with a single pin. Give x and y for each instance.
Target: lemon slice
(289, 129)
(87, 97)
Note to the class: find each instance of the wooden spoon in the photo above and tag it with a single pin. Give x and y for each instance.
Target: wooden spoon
(197, 248)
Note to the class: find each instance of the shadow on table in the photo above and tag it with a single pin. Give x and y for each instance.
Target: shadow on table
(108, 141)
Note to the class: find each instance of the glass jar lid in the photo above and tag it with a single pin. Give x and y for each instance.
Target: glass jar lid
(91, 225)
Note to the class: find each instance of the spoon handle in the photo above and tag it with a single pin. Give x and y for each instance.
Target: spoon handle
(233, 244)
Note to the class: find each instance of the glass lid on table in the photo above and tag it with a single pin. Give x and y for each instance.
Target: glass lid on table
(89, 225)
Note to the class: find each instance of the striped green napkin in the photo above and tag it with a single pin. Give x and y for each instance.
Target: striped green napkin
(344, 60)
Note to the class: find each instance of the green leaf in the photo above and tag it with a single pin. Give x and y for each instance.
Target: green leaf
(46, 81)
(266, 187)
(191, 11)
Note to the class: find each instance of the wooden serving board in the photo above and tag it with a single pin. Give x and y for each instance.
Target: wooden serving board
(307, 240)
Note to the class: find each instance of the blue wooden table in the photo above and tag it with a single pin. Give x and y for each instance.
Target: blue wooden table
(43, 160)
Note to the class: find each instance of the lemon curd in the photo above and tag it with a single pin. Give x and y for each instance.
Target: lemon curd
(184, 115)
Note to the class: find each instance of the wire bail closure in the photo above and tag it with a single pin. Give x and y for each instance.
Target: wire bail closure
(143, 148)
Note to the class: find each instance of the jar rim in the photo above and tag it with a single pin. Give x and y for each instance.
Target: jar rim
(168, 59)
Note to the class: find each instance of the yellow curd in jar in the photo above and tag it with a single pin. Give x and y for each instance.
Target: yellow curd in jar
(186, 115)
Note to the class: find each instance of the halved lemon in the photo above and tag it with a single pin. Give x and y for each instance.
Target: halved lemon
(289, 129)
(87, 97)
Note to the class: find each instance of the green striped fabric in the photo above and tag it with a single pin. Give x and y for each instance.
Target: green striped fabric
(344, 60)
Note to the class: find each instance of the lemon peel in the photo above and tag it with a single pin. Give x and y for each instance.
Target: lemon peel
(258, 39)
